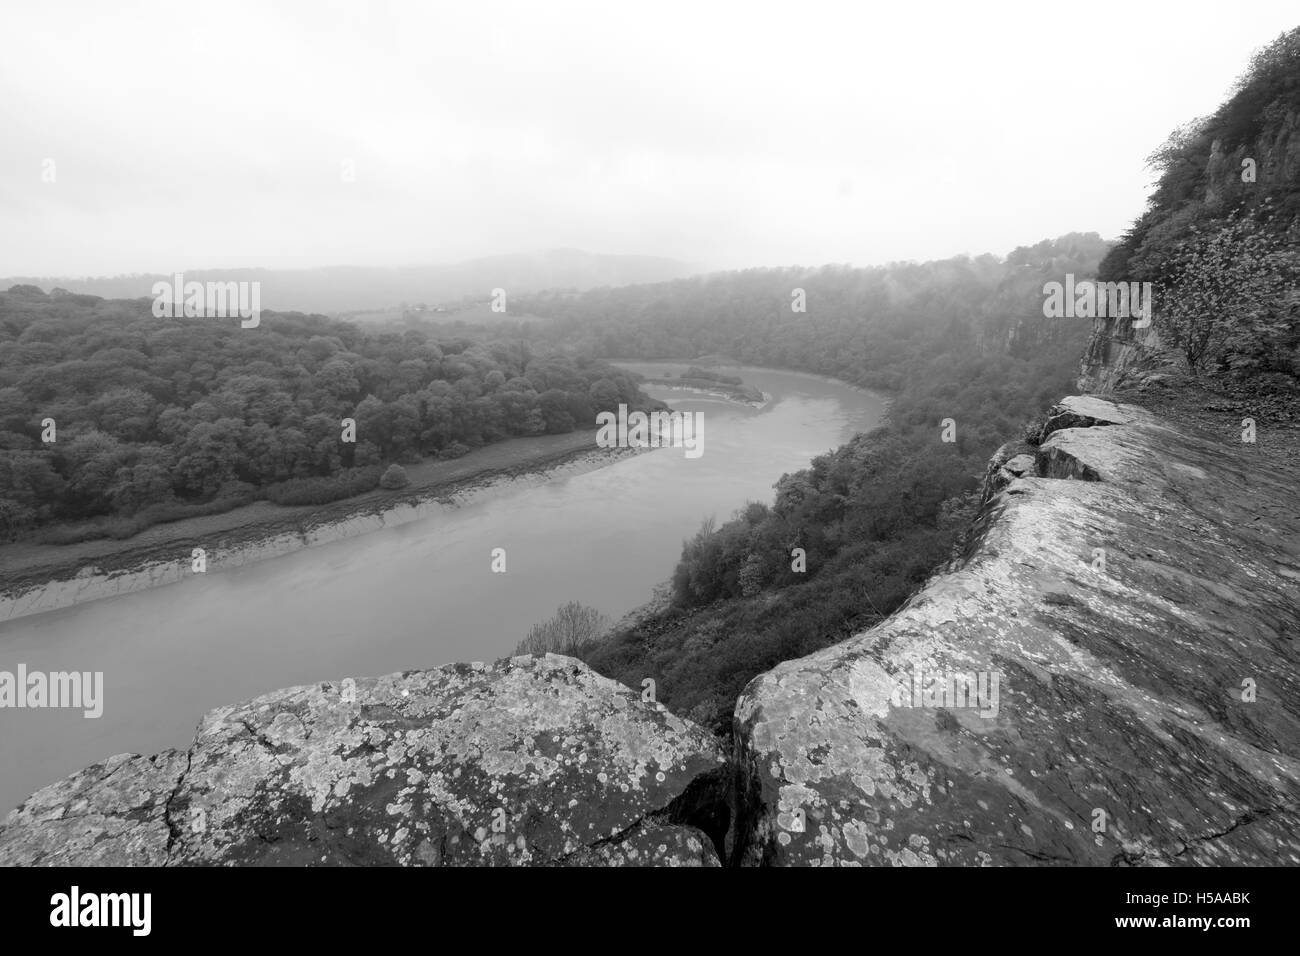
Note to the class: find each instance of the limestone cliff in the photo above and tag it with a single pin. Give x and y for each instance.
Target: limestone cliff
(1273, 150)
(1138, 596)
(1127, 611)
(1117, 354)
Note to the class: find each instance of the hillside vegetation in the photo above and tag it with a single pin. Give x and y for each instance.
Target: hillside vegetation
(158, 419)
(1220, 238)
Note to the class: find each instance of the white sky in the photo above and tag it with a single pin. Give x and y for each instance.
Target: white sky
(208, 135)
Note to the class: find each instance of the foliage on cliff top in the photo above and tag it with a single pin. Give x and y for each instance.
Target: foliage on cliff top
(1221, 233)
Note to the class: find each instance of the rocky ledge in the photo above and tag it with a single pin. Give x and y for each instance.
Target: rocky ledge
(529, 761)
(1109, 676)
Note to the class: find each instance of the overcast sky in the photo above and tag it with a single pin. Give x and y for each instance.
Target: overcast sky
(187, 135)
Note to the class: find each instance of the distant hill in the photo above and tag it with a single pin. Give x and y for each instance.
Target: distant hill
(337, 289)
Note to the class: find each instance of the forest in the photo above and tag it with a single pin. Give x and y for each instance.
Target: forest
(115, 419)
(859, 324)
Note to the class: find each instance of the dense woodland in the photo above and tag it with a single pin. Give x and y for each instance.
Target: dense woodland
(860, 325)
(963, 339)
(157, 419)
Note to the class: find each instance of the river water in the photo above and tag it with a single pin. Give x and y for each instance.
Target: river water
(409, 597)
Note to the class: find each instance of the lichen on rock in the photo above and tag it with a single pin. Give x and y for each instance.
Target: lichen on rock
(1129, 616)
(528, 761)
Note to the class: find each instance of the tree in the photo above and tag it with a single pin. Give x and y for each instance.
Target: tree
(125, 413)
(1227, 283)
(604, 395)
(394, 478)
(553, 405)
(14, 518)
(146, 482)
(337, 380)
(573, 626)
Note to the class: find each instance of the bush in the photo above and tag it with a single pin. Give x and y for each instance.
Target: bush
(15, 518)
(1031, 432)
(573, 627)
(454, 450)
(394, 478)
(319, 491)
(1227, 295)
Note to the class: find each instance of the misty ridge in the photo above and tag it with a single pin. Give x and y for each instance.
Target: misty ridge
(849, 477)
(336, 289)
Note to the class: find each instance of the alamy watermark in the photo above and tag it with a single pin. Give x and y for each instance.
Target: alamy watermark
(208, 300)
(70, 689)
(75, 908)
(1101, 300)
(934, 689)
(655, 430)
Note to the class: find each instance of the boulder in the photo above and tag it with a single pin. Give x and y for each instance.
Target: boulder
(529, 761)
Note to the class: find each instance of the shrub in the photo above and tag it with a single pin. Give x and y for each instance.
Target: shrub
(572, 627)
(1031, 432)
(319, 491)
(394, 478)
(1227, 296)
(15, 518)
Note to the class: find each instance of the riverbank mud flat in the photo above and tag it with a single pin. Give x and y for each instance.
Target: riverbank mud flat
(40, 577)
(738, 395)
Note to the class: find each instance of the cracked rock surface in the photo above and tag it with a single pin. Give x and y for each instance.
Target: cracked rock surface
(529, 761)
(1138, 595)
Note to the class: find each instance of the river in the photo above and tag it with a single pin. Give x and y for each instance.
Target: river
(409, 597)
